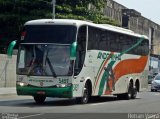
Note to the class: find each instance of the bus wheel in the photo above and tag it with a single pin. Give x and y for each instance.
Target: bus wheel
(85, 98)
(134, 93)
(39, 99)
(129, 94)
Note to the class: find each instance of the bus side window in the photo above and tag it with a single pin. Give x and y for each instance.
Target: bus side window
(103, 41)
(144, 48)
(94, 36)
(113, 42)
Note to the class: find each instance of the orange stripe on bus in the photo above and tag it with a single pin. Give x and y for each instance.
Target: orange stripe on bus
(128, 66)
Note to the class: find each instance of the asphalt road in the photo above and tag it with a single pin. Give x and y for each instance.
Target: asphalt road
(24, 107)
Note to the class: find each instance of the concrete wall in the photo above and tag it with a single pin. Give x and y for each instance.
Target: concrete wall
(7, 71)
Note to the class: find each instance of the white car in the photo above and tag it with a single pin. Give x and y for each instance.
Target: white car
(155, 85)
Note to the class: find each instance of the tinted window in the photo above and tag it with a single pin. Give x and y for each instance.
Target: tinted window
(111, 41)
(94, 35)
(133, 45)
(50, 34)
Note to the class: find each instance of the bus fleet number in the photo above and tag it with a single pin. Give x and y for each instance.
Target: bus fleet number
(63, 81)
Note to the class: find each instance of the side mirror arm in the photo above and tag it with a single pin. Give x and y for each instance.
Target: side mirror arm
(73, 51)
(10, 48)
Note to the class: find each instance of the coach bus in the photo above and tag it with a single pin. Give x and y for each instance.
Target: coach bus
(79, 59)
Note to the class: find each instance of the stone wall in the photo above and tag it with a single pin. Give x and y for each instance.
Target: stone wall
(137, 24)
(7, 71)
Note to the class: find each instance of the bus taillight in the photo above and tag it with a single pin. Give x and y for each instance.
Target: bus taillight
(23, 34)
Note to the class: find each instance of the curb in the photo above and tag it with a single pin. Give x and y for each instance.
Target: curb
(8, 91)
(9, 94)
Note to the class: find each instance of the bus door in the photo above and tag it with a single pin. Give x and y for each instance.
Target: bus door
(79, 67)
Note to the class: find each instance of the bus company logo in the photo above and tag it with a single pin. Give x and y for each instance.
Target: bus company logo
(114, 57)
(41, 83)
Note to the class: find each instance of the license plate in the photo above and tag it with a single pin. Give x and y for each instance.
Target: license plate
(41, 93)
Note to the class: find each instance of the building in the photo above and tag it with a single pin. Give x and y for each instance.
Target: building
(136, 22)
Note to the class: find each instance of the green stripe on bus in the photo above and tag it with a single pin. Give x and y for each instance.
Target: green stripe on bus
(98, 73)
(105, 77)
(135, 45)
(100, 69)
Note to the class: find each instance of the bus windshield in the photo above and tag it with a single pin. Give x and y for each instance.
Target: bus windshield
(63, 34)
(44, 60)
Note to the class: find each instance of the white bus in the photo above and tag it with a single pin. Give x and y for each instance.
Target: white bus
(78, 59)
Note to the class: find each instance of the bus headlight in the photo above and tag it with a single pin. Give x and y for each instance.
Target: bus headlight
(63, 85)
(22, 84)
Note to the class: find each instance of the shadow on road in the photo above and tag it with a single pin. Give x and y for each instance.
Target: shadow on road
(58, 102)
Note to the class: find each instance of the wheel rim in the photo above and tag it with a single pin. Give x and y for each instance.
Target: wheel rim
(129, 94)
(135, 93)
(85, 96)
(130, 91)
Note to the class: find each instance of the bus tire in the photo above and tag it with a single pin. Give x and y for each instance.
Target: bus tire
(129, 94)
(153, 90)
(86, 95)
(39, 99)
(134, 93)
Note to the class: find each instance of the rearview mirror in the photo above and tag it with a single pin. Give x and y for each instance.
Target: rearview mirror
(73, 51)
(10, 48)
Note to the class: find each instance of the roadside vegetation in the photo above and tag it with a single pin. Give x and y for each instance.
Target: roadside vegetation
(14, 13)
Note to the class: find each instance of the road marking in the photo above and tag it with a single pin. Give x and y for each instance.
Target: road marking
(97, 104)
(157, 93)
(29, 116)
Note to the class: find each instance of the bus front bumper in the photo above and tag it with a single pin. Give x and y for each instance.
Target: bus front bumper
(65, 92)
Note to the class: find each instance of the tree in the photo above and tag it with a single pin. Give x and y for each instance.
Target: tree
(84, 10)
(17, 12)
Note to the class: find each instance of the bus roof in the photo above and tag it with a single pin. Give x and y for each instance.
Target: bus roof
(81, 22)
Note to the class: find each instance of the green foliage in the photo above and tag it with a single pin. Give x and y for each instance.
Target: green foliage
(84, 10)
(14, 13)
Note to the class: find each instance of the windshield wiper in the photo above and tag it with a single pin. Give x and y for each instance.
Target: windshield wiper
(51, 67)
(32, 63)
(31, 67)
(45, 58)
